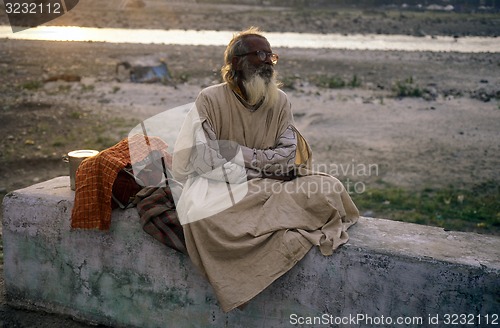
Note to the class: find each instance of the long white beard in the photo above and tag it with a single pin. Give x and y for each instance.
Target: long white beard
(258, 88)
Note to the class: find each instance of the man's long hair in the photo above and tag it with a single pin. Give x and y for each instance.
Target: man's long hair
(236, 46)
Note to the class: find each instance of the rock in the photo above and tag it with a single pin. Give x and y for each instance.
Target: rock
(368, 214)
(483, 94)
(430, 93)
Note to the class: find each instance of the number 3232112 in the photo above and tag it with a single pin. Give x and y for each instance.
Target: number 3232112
(470, 319)
(25, 8)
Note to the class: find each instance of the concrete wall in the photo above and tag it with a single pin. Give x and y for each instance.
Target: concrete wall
(125, 278)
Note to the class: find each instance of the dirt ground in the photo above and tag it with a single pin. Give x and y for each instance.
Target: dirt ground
(449, 136)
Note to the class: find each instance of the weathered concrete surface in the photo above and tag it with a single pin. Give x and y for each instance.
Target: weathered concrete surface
(125, 278)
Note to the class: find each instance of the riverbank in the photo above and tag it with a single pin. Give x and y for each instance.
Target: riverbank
(426, 120)
(348, 19)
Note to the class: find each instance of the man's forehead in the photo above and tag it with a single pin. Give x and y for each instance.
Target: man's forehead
(257, 42)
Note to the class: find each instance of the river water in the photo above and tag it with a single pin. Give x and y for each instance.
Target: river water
(292, 40)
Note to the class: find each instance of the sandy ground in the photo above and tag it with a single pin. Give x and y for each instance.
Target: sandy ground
(449, 137)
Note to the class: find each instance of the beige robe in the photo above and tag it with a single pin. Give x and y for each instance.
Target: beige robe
(244, 236)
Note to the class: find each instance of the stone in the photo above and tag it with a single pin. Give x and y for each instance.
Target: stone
(124, 277)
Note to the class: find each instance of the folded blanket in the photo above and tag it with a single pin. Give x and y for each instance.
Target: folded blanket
(96, 175)
(159, 218)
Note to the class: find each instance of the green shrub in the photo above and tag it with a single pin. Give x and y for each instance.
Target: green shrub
(32, 85)
(407, 88)
(337, 82)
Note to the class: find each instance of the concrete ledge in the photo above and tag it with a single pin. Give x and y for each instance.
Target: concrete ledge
(125, 278)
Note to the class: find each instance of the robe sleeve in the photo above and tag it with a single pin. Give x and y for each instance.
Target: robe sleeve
(207, 156)
(277, 160)
(208, 161)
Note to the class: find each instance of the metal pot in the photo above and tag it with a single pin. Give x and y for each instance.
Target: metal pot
(74, 158)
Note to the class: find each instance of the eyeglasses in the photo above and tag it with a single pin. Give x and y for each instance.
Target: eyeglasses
(262, 55)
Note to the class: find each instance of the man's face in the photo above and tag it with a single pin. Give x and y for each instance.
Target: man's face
(254, 65)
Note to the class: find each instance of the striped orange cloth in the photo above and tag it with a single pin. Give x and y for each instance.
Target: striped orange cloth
(95, 177)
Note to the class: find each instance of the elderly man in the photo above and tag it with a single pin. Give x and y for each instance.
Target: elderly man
(251, 206)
